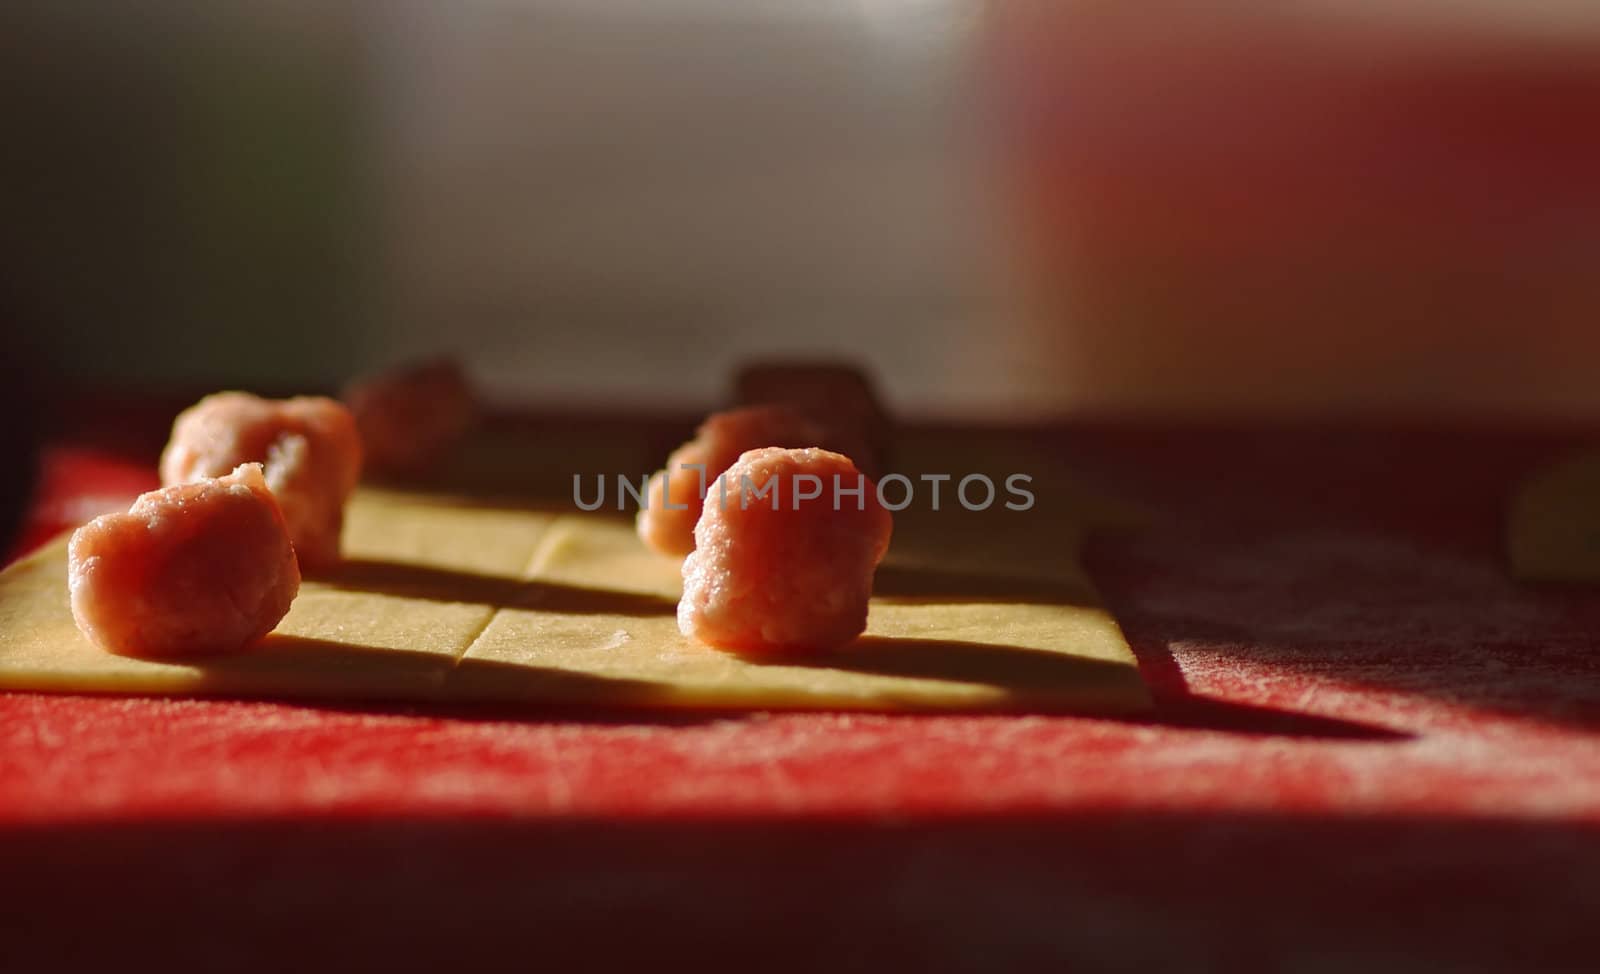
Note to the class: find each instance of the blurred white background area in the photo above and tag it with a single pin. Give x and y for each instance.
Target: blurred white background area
(621, 200)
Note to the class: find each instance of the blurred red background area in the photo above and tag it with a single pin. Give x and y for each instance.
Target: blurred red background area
(1307, 207)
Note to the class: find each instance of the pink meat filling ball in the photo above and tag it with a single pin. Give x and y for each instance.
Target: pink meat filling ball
(784, 574)
(308, 445)
(837, 396)
(411, 417)
(673, 501)
(190, 570)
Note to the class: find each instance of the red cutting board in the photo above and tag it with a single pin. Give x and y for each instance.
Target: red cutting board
(1373, 750)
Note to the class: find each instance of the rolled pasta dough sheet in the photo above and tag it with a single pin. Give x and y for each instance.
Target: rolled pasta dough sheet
(602, 607)
(453, 599)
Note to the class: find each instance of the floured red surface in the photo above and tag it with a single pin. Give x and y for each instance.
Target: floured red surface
(1373, 750)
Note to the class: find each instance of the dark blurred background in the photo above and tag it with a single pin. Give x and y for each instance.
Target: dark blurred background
(1012, 207)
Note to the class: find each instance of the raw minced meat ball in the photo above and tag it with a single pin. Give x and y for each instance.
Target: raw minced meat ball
(776, 576)
(190, 570)
(411, 417)
(717, 444)
(837, 396)
(308, 445)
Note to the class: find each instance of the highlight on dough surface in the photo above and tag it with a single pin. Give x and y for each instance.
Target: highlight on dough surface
(193, 569)
(308, 446)
(789, 572)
